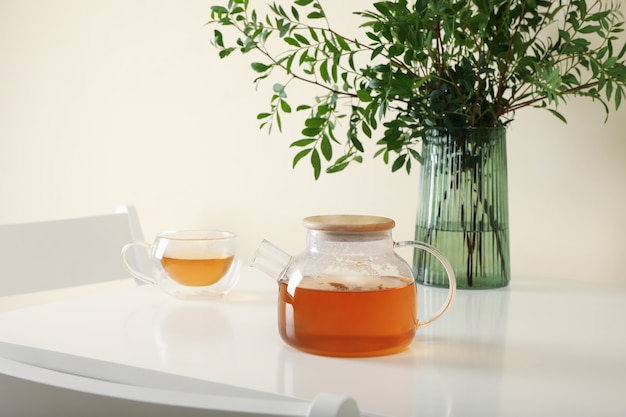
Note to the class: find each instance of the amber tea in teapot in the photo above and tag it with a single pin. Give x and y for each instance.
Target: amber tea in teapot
(348, 294)
(341, 313)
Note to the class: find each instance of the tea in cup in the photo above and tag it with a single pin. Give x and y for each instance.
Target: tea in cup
(190, 264)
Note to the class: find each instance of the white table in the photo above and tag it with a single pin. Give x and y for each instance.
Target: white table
(536, 348)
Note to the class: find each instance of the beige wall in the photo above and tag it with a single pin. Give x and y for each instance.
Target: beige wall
(109, 101)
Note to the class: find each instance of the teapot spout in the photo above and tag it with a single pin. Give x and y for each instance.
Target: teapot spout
(270, 259)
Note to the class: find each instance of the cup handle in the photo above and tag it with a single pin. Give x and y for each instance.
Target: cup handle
(127, 265)
(451, 278)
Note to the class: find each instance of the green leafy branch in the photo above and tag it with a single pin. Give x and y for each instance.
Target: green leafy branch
(448, 64)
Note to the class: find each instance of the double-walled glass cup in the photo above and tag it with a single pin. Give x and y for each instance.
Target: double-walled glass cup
(191, 264)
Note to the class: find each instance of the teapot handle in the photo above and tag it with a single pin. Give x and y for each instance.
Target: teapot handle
(451, 277)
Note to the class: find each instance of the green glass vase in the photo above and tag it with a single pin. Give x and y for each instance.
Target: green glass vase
(462, 208)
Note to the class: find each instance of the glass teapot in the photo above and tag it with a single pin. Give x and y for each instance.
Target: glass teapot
(348, 293)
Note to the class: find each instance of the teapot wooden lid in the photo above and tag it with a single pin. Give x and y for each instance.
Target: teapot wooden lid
(349, 223)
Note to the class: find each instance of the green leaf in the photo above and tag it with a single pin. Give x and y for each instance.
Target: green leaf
(300, 155)
(280, 89)
(302, 39)
(316, 163)
(333, 69)
(259, 67)
(302, 143)
(289, 63)
(395, 50)
(324, 71)
(558, 115)
(377, 51)
(590, 29)
(315, 15)
(332, 49)
(582, 9)
(220, 9)
(337, 167)
(285, 107)
(326, 147)
(366, 129)
(364, 95)
(304, 57)
(292, 42)
(342, 43)
(600, 15)
(398, 163)
(311, 131)
(357, 144)
(416, 155)
(219, 38)
(279, 122)
(619, 94)
(373, 37)
(225, 52)
(315, 122)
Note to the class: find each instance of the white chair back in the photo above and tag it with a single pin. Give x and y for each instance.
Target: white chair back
(61, 253)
